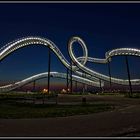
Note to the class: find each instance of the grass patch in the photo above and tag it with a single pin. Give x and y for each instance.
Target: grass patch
(12, 110)
(110, 93)
(134, 95)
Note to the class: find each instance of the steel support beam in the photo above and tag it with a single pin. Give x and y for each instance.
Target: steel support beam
(67, 80)
(100, 85)
(34, 86)
(49, 68)
(83, 84)
(75, 86)
(109, 72)
(128, 73)
(71, 76)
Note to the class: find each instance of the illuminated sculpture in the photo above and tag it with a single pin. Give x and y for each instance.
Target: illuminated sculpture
(79, 63)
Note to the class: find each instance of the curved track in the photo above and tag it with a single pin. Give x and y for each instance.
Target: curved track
(44, 75)
(79, 63)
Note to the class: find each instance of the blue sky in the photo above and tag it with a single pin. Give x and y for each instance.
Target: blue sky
(102, 26)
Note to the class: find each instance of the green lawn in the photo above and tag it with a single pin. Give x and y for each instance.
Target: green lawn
(11, 109)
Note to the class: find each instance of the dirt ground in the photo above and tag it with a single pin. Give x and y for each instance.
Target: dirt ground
(124, 121)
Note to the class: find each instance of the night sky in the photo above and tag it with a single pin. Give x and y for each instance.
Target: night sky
(102, 27)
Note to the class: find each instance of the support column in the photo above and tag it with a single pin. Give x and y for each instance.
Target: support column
(34, 91)
(109, 71)
(128, 73)
(71, 77)
(49, 67)
(86, 88)
(83, 84)
(76, 86)
(83, 88)
(67, 80)
(100, 85)
(33, 86)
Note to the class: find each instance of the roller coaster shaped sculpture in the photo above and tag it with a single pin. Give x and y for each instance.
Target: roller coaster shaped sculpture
(91, 77)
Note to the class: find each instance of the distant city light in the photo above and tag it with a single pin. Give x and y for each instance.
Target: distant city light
(63, 91)
(45, 91)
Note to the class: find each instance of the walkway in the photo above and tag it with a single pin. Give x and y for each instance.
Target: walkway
(121, 122)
